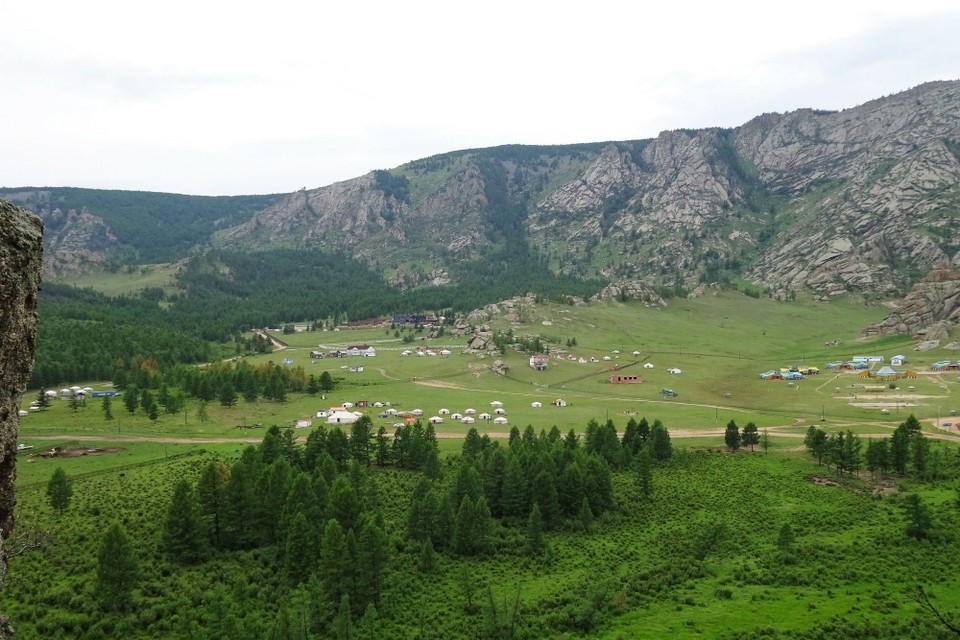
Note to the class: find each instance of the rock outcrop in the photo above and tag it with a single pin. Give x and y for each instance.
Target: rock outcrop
(930, 310)
(21, 252)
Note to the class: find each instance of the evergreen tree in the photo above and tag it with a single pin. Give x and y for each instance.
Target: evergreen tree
(585, 515)
(919, 521)
(334, 557)
(428, 561)
(750, 436)
(131, 398)
(301, 549)
(373, 556)
(344, 503)
(382, 448)
(514, 499)
(543, 493)
(360, 434)
(313, 385)
(570, 489)
(117, 569)
(326, 382)
(816, 442)
(731, 436)
(184, 537)
(343, 623)
(661, 447)
(467, 482)
(212, 500)
(536, 542)
(59, 490)
(107, 410)
(227, 395)
(900, 448)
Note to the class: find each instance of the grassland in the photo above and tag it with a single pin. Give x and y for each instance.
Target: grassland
(638, 573)
(719, 342)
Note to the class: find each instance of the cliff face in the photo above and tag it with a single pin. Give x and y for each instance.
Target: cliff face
(863, 199)
(930, 309)
(21, 253)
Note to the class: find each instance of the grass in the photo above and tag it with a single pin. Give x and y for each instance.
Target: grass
(720, 341)
(130, 281)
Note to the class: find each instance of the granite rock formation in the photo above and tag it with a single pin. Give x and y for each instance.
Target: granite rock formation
(21, 252)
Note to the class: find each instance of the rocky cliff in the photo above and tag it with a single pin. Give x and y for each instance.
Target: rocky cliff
(21, 252)
(930, 309)
(862, 199)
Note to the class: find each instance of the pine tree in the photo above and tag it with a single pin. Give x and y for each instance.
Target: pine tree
(919, 521)
(333, 560)
(750, 436)
(428, 561)
(227, 395)
(373, 557)
(131, 398)
(184, 536)
(59, 490)
(536, 543)
(212, 500)
(117, 569)
(313, 385)
(107, 410)
(731, 436)
(661, 447)
(326, 382)
(644, 467)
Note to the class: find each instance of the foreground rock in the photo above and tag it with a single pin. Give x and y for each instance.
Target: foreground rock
(21, 252)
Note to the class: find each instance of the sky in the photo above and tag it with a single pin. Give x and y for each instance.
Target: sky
(226, 98)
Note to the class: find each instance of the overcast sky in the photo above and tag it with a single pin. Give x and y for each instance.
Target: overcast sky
(220, 98)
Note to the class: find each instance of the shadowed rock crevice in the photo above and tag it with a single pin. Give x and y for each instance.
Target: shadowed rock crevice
(21, 252)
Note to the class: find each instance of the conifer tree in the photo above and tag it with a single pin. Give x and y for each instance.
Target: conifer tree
(117, 569)
(536, 543)
(59, 490)
(184, 536)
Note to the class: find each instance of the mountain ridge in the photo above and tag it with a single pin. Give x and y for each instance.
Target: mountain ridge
(864, 200)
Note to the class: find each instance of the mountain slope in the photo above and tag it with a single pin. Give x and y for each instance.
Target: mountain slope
(862, 199)
(90, 229)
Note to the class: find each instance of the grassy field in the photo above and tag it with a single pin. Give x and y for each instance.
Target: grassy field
(719, 342)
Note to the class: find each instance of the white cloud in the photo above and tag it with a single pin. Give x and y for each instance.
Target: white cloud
(239, 97)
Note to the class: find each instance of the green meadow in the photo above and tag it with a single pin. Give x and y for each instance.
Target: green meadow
(699, 557)
(720, 342)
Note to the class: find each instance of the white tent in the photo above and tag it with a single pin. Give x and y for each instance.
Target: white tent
(469, 412)
(444, 412)
(636, 353)
(536, 405)
(496, 403)
(500, 420)
(467, 420)
(444, 352)
(456, 416)
(436, 420)
(347, 405)
(499, 411)
(484, 416)
(648, 365)
(417, 412)
(341, 417)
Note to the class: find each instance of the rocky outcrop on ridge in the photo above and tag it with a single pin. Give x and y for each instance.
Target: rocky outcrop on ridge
(931, 309)
(21, 252)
